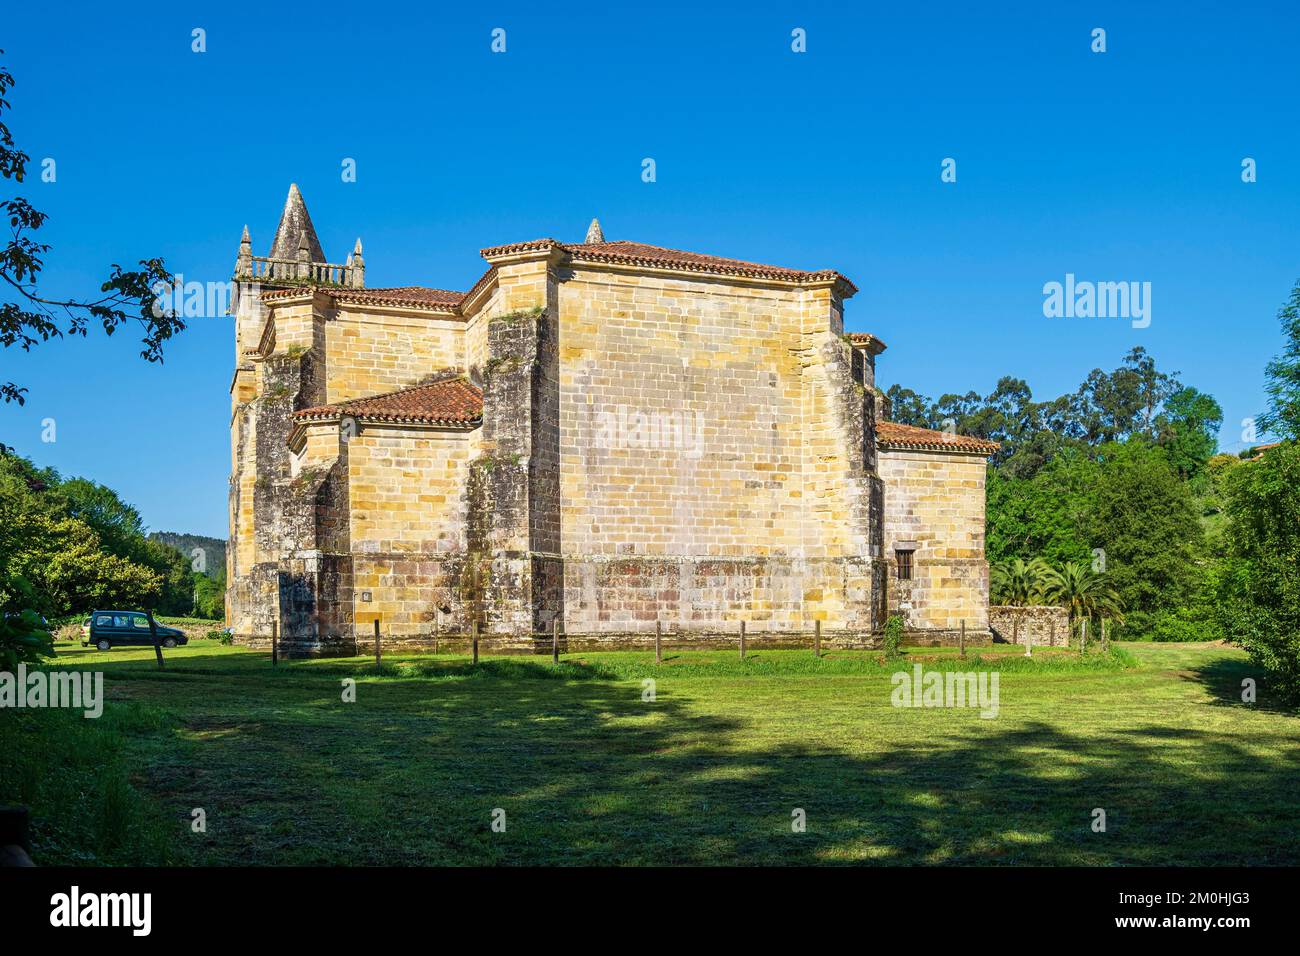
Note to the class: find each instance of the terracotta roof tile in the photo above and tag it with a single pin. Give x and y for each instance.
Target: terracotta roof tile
(640, 253)
(894, 435)
(621, 252)
(450, 401)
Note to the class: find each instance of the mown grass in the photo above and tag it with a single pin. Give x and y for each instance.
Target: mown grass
(589, 772)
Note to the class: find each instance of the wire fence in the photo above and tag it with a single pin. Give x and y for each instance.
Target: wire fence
(736, 637)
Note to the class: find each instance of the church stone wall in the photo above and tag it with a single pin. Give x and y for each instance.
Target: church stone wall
(936, 499)
(656, 446)
(688, 489)
(475, 338)
(408, 488)
(368, 352)
(407, 528)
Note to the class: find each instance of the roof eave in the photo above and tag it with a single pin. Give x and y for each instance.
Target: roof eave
(947, 448)
(337, 415)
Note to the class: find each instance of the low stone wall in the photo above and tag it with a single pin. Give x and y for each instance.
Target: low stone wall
(1041, 625)
(946, 637)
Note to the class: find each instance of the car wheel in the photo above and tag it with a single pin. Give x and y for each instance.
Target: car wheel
(169, 642)
(103, 645)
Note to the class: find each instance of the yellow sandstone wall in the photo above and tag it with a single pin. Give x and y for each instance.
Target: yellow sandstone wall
(410, 483)
(407, 524)
(371, 351)
(701, 479)
(937, 500)
(709, 460)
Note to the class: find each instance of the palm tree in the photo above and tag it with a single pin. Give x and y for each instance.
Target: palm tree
(1083, 592)
(1019, 583)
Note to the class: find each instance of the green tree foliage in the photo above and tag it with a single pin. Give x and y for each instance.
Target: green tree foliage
(176, 595)
(1083, 592)
(1019, 583)
(117, 523)
(59, 558)
(68, 547)
(1117, 474)
(1282, 376)
(908, 408)
(1146, 522)
(210, 595)
(1188, 430)
(1259, 585)
(1043, 516)
(1134, 400)
(24, 637)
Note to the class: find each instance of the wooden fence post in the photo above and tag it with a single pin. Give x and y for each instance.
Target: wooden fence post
(437, 631)
(1029, 638)
(378, 648)
(153, 632)
(742, 640)
(817, 638)
(473, 628)
(961, 641)
(555, 640)
(275, 643)
(1105, 641)
(1083, 635)
(659, 646)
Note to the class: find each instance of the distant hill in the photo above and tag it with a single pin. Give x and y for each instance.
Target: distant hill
(214, 549)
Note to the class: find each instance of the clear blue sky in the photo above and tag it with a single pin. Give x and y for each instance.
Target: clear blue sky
(1117, 166)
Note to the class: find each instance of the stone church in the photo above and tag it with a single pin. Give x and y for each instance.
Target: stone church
(603, 436)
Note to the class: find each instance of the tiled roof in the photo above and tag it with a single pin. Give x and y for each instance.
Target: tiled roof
(621, 253)
(639, 253)
(894, 435)
(1260, 449)
(451, 401)
(407, 295)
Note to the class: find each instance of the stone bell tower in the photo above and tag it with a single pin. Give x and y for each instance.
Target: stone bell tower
(296, 259)
(260, 399)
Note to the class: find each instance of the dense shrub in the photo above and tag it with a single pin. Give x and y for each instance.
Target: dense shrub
(1259, 588)
(893, 637)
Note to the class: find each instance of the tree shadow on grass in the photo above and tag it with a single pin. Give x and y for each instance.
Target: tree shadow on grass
(1223, 678)
(587, 772)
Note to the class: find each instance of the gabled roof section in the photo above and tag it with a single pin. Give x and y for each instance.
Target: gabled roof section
(624, 252)
(893, 435)
(295, 223)
(448, 401)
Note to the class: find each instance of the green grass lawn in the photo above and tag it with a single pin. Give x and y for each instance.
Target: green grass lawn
(710, 772)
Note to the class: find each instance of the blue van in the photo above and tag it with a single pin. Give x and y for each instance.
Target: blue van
(113, 628)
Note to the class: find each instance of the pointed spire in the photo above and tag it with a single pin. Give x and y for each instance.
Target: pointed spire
(593, 232)
(357, 266)
(295, 228)
(244, 261)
